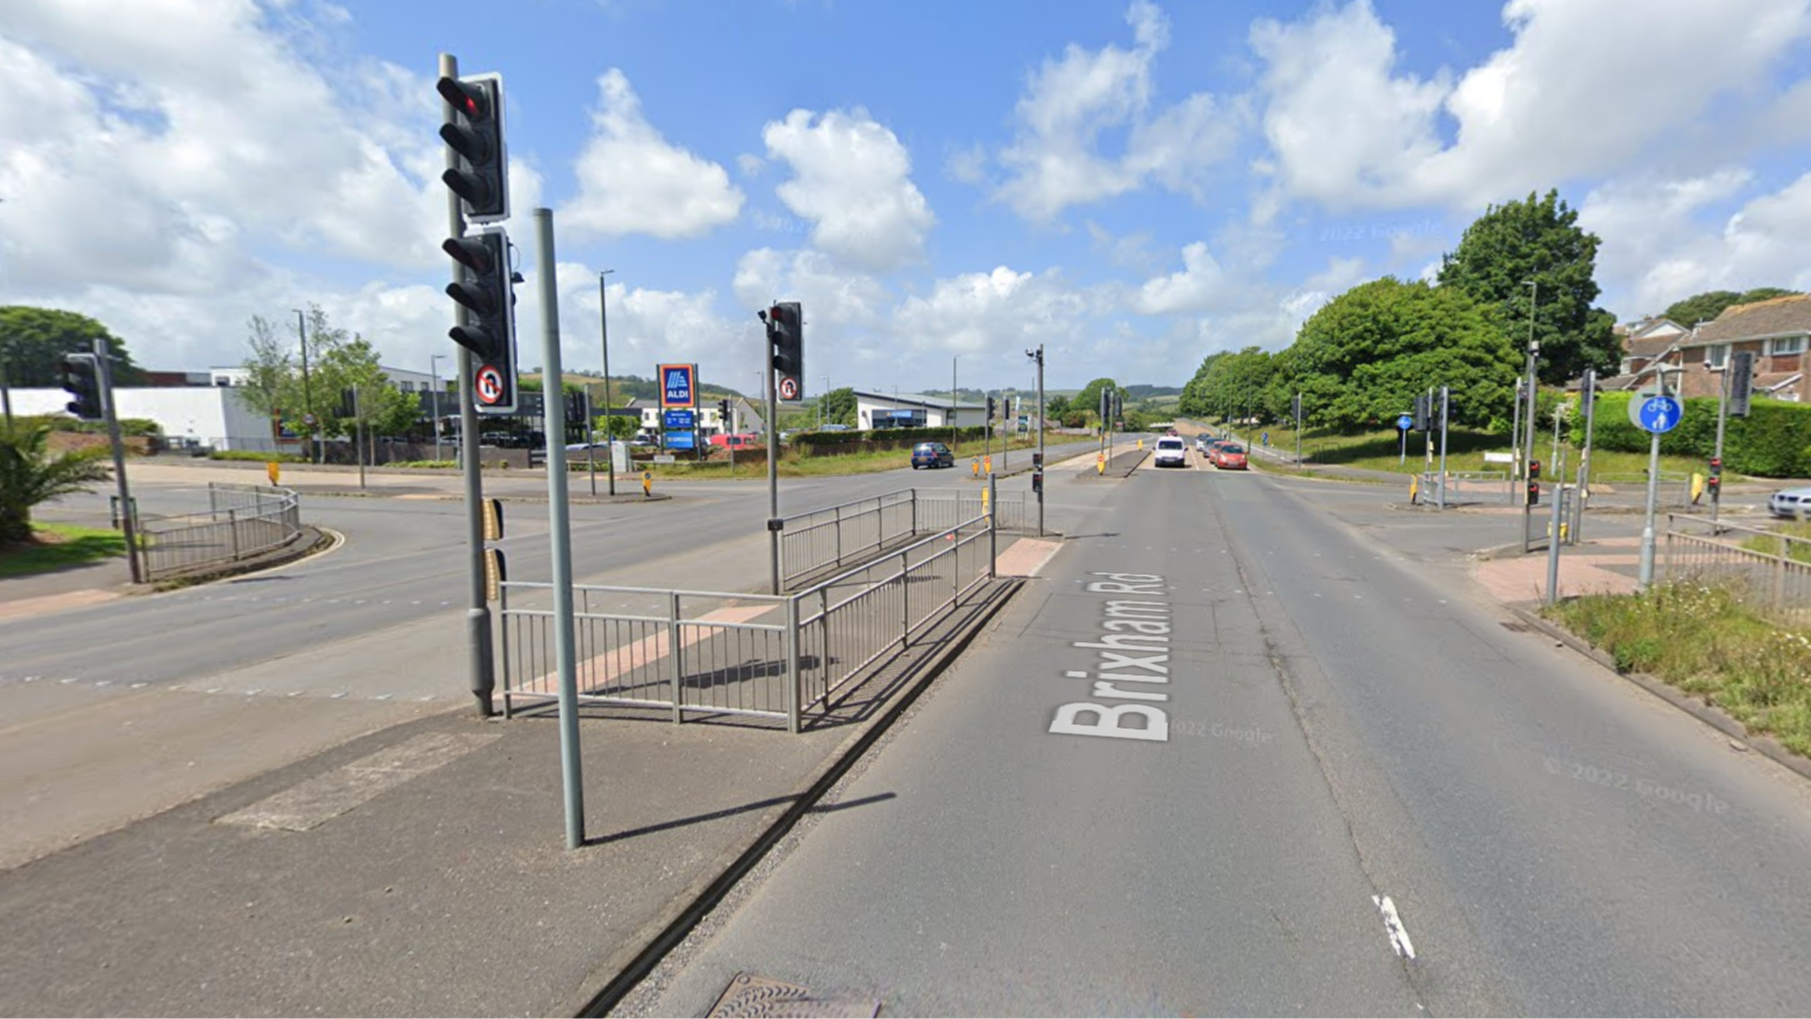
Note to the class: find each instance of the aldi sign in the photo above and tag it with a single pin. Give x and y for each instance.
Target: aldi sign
(678, 385)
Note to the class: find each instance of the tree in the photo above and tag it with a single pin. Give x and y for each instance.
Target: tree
(1360, 359)
(1089, 398)
(1229, 385)
(1708, 305)
(34, 340)
(29, 475)
(839, 406)
(1056, 406)
(1537, 240)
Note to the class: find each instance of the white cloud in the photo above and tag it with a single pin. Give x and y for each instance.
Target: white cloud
(1068, 103)
(1199, 285)
(852, 179)
(1664, 240)
(1584, 89)
(1002, 310)
(632, 180)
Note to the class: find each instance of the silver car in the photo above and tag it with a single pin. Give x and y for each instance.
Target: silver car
(1793, 503)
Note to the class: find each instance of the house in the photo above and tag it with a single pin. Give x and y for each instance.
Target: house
(1776, 331)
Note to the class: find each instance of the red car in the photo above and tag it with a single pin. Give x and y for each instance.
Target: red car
(1230, 456)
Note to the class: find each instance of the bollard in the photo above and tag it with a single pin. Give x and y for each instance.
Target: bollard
(975, 467)
(987, 462)
(1100, 463)
(647, 484)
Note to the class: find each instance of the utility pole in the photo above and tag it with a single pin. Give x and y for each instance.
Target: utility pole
(603, 318)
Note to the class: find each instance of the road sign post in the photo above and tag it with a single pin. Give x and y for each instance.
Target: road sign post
(1656, 414)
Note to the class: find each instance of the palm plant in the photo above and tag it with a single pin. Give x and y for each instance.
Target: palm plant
(31, 475)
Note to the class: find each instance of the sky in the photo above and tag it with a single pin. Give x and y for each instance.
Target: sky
(1133, 186)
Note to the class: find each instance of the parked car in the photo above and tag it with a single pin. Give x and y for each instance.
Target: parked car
(1230, 456)
(739, 440)
(1201, 442)
(932, 454)
(1791, 503)
(1171, 452)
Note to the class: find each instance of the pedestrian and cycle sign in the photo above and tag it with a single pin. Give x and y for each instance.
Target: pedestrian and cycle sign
(1404, 423)
(1656, 414)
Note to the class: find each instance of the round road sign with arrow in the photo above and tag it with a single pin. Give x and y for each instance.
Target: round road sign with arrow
(489, 384)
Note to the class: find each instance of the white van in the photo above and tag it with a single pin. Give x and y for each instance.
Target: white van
(1172, 452)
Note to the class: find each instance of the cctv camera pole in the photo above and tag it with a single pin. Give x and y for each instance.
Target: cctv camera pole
(103, 375)
(482, 669)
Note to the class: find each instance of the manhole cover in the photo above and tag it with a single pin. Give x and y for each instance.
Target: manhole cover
(750, 995)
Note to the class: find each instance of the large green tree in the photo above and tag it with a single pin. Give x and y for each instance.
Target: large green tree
(337, 361)
(1538, 241)
(1708, 305)
(30, 475)
(1360, 359)
(1229, 385)
(33, 340)
(839, 406)
(1089, 398)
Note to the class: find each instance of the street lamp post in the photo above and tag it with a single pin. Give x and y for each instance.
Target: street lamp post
(307, 393)
(434, 395)
(603, 319)
(954, 442)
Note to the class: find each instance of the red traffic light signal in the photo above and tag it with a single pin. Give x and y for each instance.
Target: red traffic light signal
(1534, 493)
(1534, 470)
(481, 178)
(786, 331)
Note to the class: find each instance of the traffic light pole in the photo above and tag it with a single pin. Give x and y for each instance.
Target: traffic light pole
(482, 674)
(103, 374)
(773, 469)
(1039, 468)
(1716, 493)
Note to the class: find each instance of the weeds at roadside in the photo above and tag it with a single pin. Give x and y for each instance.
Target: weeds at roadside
(1704, 641)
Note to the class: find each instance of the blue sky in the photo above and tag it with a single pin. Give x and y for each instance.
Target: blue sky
(1134, 185)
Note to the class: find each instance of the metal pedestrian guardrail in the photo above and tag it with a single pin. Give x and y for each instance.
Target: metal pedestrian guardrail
(242, 521)
(719, 653)
(1769, 571)
(820, 540)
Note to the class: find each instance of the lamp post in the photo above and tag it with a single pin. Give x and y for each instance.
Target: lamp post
(434, 395)
(1534, 357)
(603, 320)
(953, 441)
(307, 393)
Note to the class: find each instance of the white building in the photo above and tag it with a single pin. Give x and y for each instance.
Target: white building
(910, 410)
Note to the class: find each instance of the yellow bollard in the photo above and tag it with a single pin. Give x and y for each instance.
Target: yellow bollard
(274, 471)
(1414, 488)
(987, 462)
(984, 502)
(647, 483)
(975, 467)
(1140, 443)
(1100, 463)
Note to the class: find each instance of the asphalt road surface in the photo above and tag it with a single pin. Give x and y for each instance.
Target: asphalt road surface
(1315, 778)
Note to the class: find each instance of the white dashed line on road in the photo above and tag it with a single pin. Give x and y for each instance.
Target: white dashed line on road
(1399, 935)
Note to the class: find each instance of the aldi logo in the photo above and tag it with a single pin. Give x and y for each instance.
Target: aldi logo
(678, 385)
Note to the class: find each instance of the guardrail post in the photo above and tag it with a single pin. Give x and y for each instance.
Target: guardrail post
(914, 511)
(674, 657)
(795, 680)
(993, 529)
(1779, 578)
(839, 536)
(232, 527)
(503, 631)
(905, 600)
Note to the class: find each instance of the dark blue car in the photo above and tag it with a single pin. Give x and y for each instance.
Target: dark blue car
(932, 454)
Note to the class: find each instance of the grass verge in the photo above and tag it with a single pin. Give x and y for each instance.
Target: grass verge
(1797, 551)
(59, 545)
(1703, 641)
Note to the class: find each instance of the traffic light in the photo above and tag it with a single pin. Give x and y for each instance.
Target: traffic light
(81, 378)
(1715, 481)
(484, 290)
(1295, 406)
(786, 330)
(1534, 493)
(482, 178)
(990, 409)
(575, 408)
(1420, 412)
(1534, 470)
(723, 411)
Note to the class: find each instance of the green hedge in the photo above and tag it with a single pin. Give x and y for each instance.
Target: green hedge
(127, 426)
(254, 455)
(1773, 441)
(912, 435)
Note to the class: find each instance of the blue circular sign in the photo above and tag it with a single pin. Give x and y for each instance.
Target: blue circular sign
(1660, 414)
(1405, 422)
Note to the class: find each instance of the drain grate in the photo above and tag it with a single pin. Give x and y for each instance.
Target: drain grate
(752, 996)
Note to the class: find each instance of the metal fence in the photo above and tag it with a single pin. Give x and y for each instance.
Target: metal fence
(1467, 488)
(242, 521)
(717, 653)
(1674, 489)
(825, 539)
(1768, 570)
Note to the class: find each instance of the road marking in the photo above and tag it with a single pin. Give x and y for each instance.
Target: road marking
(1399, 935)
(324, 797)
